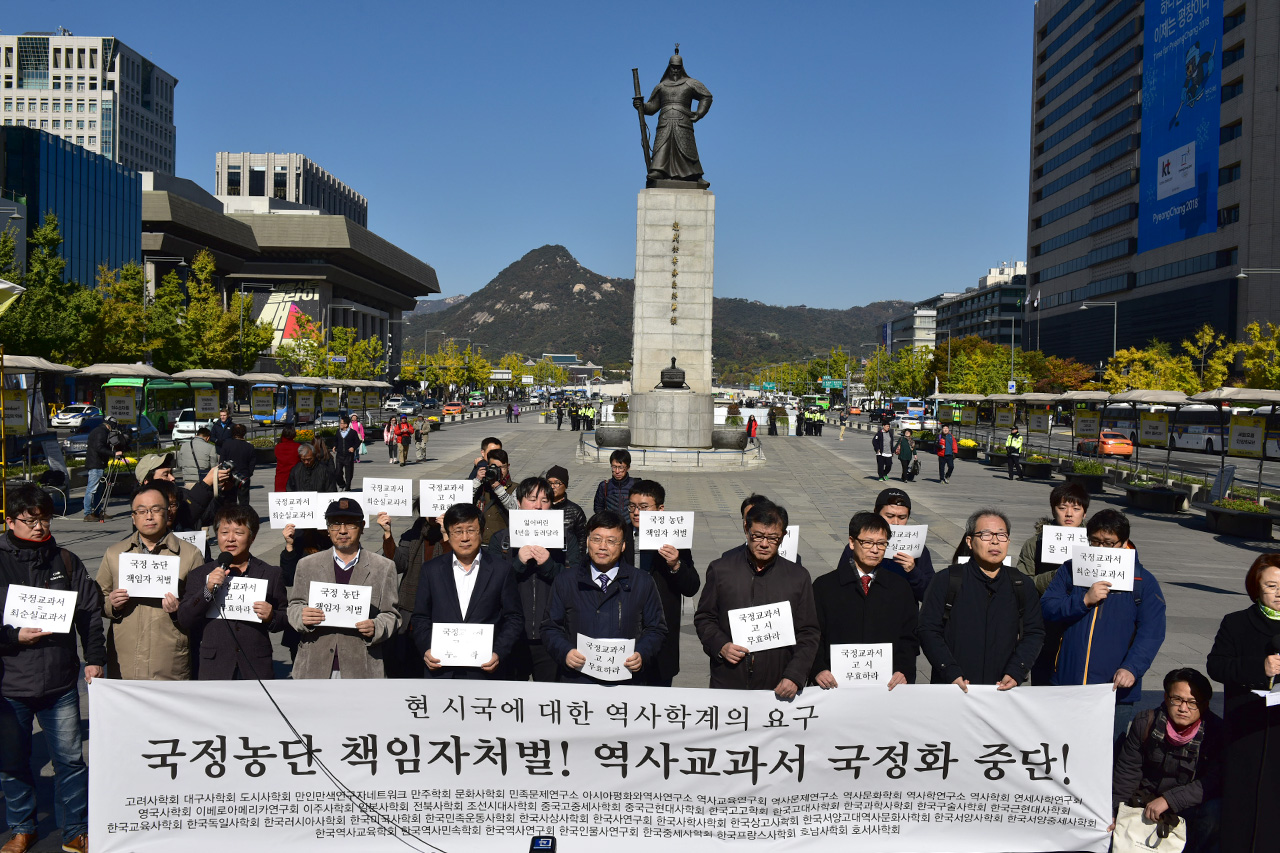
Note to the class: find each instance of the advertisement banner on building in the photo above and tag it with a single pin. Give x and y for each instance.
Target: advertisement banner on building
(1181, 101)
(206, 405)
(483, 766)
(122, 405)
(290, 311)
(1086, 424)
(1246, 436)
(1155, 429)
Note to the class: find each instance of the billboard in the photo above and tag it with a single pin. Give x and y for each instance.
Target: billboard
(1181, 99)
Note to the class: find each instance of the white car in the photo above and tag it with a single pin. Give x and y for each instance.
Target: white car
(186, 424)
(393, 403)
(72, 415)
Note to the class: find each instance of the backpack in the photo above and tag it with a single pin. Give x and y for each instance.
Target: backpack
(955, 577)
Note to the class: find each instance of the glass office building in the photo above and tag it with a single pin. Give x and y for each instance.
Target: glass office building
(98, 202)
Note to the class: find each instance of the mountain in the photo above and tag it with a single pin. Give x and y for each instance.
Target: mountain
(548, 302)
(435, 306)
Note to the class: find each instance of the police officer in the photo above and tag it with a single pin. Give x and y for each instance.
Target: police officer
(1013, 449)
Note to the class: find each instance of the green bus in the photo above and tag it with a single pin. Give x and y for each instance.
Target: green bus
(161, 400)
(822, 401)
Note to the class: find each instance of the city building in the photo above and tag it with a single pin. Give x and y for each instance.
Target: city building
(242, 176)
(992, 310)
(1153, 179)
(98, 203)
(917, 327)
(94, 92)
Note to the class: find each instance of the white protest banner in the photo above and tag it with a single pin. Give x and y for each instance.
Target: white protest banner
(906, 539)
(206, 405)
(436, 496)
(1038, 422)
(1056, 542)
(394, 497)
(148, 575)
(197, 538)
(606, 659)
(789, 548)
(329, 402)
(1090, 565)
(34, 607)
(343, 604)
(760, 628)
(462, 643)
(543, 527)
(263, 403)
(296, 508)
(1154, 429)
(862, 664)
(236, 597)
(920, 767)
(664, 528)
(121, 405)
(1086, 424)
(306, 403)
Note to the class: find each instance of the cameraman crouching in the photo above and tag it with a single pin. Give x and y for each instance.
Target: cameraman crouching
(493, 493)
(106, 442)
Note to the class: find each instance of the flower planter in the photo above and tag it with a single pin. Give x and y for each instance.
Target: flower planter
(1091, 483)
(1239, 523)
(265, 455)
(997, 459)
(435, 426)
(1156, 499)
(1037, 470)
(967, 452)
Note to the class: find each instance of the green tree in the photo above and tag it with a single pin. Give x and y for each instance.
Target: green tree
(878, 371)
(303, 354)
(513, 362)
(365, 359)
(166, 332)
(912, 371)
(1261, 353)
(216, 338)
(1212, 355)
(9, 255)
(121, 333)
(1152, 368)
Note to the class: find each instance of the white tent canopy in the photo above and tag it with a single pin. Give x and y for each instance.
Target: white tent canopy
(1152, 396)
(122, 371)
(33, 364)
(261, 378)
(1229, 394)
(206, 375)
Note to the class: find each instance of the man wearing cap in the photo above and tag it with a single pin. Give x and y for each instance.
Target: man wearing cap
(575, 520)
(894, 506)
(1013, 451)
(325, 652)
(192, 502)
(97, 453)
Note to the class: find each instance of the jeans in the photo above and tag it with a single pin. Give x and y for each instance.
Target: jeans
(346, 470)
(1202, 826)
(92, 488)
(59, 717)
(946, 467)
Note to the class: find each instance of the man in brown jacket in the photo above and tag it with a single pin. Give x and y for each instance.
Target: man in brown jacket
(755, 577)
(144, 641)
(325, 652)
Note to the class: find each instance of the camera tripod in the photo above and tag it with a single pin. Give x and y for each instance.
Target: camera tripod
(106, 484)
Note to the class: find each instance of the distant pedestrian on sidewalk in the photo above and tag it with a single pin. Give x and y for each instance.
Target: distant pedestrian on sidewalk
(844, 422)
(882, 444)
(906, 453)
(1013, 449)
(947, 449)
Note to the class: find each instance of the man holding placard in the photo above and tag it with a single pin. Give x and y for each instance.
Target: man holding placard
(603, 600)
(860, 606)
(40, 668)
(142, 580)
(353, 590)
(756, 618)
(1112, 628)
(232, 606)
(466, 619)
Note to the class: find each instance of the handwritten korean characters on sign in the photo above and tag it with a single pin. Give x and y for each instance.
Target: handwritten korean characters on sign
(542, 527)
(789, 548)
(906, 539)
(1090, 565)
(394, 497)
(862, 664)
(236, 597)
(436, 496)
(1056, 542)
(148, 575)
(343, 604)
(296, 508)
(664, 528)
(760, 628)
(46, 609)
(606, 659)
(462, 643)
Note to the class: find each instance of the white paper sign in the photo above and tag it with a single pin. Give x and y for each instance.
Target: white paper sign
(394, 497)
(906, 539)
(1056, 542)
(789, 548)
(33, 607)
(664, 528)
(543, 527)
(862, 664)
(343, 604)
(147, 575)
(1008, 559)
(236, 597)
(297, 508)
(462, 643)
(606, 659)
(1090, 565)
(1271, 697)
(197, 538)
(760, 628)
(436, 496)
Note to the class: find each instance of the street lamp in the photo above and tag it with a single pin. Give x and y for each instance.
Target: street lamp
(1115, 319)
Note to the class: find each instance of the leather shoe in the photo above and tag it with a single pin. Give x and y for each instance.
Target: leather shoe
(79, 844)
(19, 842)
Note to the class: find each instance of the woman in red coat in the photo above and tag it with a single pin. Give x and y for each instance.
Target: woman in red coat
(286, 457)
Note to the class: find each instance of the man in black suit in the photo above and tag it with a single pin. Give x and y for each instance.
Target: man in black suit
(466, 586)
(346, 446)
(860, 602)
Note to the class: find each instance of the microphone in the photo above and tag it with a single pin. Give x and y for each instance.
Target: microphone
(224, 563)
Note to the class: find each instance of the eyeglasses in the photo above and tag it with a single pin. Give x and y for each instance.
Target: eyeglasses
(35, 522)
(764, 537)
(873, 544)
(149, 511)
(1102, 543)
(640, 508)
(1190, 704)
(345, 525)
(988, 536)
(555, 482)
(596, 540)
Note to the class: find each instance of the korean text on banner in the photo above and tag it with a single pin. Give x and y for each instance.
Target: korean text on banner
(969, 416)
(1154, 429)
(206, 405)
(197, 538)
(236, 597)
(355, 401)
(1056, 542)
(436, 496)
(394, 497)
(296, 508)
(329, 401)
(664, 528)
(1086, 425)
(263, 403)
(906, 539)
(344, 604)
(14, 402)
(1004, 417)
(1245, 438)
(121, 405)
(606, 659)
(1019, 770)
(33, 607)
(542, 527)
(306, 402)
(462, 643)
(148, 575)
(1038, 422)
(1090, 565)
(760, 628)
(789, 548)
(862, 664)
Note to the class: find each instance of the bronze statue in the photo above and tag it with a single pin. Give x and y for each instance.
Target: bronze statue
(674, 161)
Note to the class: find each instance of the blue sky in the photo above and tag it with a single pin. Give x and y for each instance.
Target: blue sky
(858, 151)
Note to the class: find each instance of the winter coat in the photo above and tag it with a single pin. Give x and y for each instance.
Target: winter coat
(97, 451)
(1123, 631)
(886, 614)
(878, 442)
(1029, 562)
(905, 451)
(612, 494)
(918, 578)
(347, 446)
(533, 582)
(195, 457)
(358, 656)
(673, 588)
(240, 454)
(219, 432)
(947, 445)
(318, 478)
(1149, 765)
(286, 457)
(222, 644)
(575, 520)
(494, 601)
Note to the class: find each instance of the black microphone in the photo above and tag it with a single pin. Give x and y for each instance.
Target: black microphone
(224, 563)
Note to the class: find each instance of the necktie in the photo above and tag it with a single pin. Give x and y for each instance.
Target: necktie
(604, 583)
(866, 584)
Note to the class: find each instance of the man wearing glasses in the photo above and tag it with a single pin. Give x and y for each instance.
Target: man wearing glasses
(980, 621)
(1107, 635)
(38, 674)
(145, 642)
(754, 578)
(575, 519)
(325, 652)
(862, 602)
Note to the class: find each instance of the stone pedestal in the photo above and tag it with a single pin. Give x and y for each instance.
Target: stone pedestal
(675, 419)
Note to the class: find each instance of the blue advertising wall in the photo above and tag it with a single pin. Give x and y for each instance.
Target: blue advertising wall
(1181, 101)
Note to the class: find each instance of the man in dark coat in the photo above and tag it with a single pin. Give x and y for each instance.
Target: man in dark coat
(468, 586)
(860, 602)
(894, 506)
(612, 493)
(346, 447)
(672, 571)
(575, 520)
(754, 578)
(98, 453)
(882, 444)
(221, 429)
(243, 459)
(311, 474)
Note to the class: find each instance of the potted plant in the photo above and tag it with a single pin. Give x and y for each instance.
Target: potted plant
(1090, 475)
(926, 441)
(620, 413)
(1149, 494)
(780, 417)
(733, 416)
(1037, 467)
(435, 423)
(1245, 519)
(967, 448)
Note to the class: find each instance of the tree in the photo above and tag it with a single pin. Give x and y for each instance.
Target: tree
(216, 338)
(166, 331)
(1212, 354)
(1063, 374)
(513, 362)
(1152, 368)
(911, 371)
(365, 359)
(877, 373)
(1261, 356)
(9, 255)
(303, 354)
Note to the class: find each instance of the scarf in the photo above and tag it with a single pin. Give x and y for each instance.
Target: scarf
(1171, 734)
(1273, 615)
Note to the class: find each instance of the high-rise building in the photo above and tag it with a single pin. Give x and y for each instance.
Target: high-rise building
(1153, 179)
(992, 310)
(918, 326)
(94, 92)
(286, 177)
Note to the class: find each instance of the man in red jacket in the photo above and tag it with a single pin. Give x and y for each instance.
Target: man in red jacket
(403, 432)
(947, 448)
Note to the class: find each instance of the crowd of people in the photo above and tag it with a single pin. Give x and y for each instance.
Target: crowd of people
(981, 620)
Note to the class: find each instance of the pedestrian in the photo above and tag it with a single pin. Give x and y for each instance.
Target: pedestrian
(404, 438)
(611, 494)
(947, 450)
(40, 673)
(286, 452)
(573, 418)
(773, 421)
(515, 411)
(359, 428)
(980, 623)
(844, 421)
(1068, 504)
(196, 456)
(894, 506)
(508, 413)
(906, 453)
(819, 420)
(882, 444)
(104, 445)
(221, 429)
(421, 435)
(1246, 657)
(346, 447)
(494, 493)
(389, 439)
(242, 457)
(1013, 451)
(575, 520)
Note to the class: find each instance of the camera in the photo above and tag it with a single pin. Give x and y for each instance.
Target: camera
(235, 478)
(492, 473)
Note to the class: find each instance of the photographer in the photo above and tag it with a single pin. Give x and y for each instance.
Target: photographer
(241, 457)
(106, 442)
(193, 503)
(493, 493)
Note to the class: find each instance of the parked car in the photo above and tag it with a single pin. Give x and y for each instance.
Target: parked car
(72, 415)
(430, 403)
(393, 402)
(409, 407)
(330, 419)
(142, 437)
(1106, 444)
(454, 408)
(186, 424)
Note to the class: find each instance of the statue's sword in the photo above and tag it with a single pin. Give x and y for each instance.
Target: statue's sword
(644, 128)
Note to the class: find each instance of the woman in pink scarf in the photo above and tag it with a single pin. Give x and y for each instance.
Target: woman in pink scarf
(359, 428)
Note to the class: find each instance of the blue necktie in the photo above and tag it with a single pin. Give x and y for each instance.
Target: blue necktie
(604, 583)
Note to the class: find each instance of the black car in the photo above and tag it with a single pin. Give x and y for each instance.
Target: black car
(142, 437)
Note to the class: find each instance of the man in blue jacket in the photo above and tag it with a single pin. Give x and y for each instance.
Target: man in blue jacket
(603, 599)
(1114, 634)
